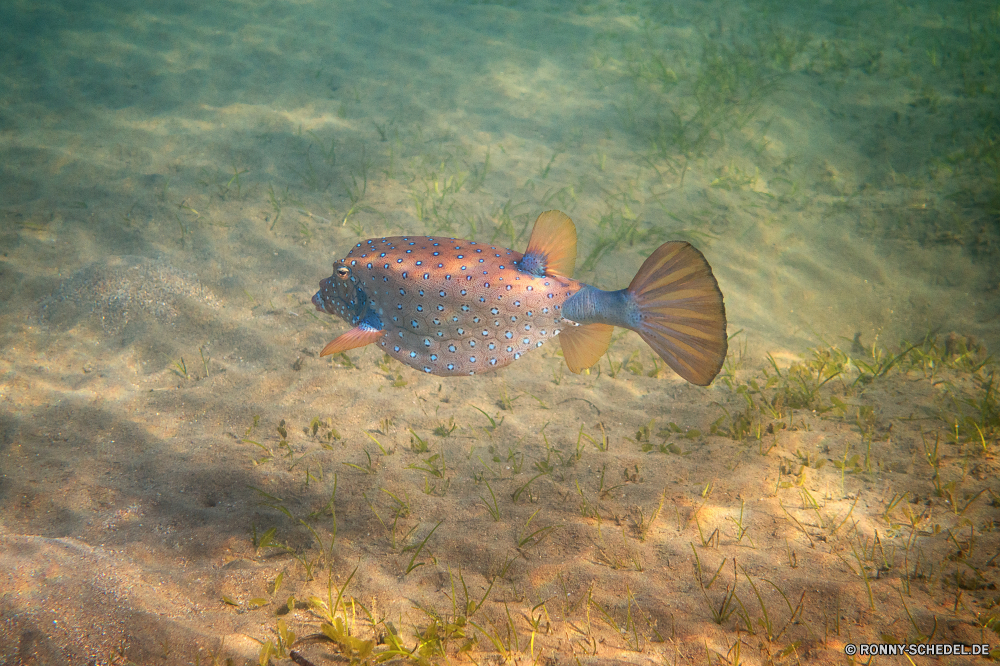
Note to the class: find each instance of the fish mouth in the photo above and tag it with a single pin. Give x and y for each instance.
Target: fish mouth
(317, 300)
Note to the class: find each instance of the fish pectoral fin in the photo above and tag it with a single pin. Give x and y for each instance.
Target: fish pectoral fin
(584, 345)
(359, 336)
(553, 242)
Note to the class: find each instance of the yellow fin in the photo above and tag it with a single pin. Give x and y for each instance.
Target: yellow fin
(359, 336)
(583, 346)
(554, 239)
(682, 314)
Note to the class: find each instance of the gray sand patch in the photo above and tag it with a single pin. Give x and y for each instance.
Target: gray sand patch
(113, 292)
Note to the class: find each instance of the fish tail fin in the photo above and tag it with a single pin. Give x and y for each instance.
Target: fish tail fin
(680, 310)
(584, 345)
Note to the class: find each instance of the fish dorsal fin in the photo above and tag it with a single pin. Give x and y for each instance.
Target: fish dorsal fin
(552, 247)
(359, 336)
(584, 345)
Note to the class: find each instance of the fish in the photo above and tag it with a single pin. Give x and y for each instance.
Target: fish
(452, 307)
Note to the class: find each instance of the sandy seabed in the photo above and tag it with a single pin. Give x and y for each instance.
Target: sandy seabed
(183, 480)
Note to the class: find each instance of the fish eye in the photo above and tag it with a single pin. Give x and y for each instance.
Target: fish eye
(343, 272)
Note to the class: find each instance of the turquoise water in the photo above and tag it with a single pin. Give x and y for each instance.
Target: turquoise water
(176, 179)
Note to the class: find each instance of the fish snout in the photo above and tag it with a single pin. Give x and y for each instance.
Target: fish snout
(328, 296)
(317, 300)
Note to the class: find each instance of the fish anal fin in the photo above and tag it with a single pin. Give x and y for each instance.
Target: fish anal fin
(584, 345)
(359, 336)
(552, 246)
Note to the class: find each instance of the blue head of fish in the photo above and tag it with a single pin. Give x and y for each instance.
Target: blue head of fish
(341, 295)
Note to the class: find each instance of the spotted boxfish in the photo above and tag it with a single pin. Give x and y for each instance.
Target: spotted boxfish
(458, 307)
